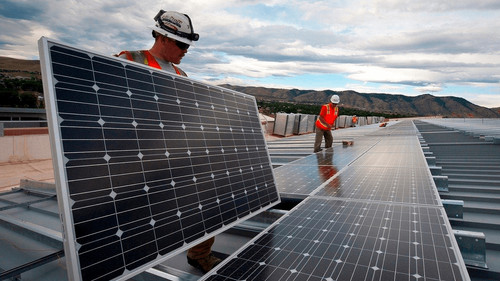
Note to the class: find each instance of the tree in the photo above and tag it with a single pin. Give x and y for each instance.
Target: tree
(20, 92)
(28, 100)
(9, 98)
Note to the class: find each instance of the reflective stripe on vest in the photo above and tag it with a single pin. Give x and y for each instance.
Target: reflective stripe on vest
(329, 117)
(149, 59)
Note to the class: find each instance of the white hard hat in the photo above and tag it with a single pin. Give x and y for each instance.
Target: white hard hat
(176, 26)
(335, 99)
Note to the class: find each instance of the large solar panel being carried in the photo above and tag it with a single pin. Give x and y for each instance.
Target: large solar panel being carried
(147, 163)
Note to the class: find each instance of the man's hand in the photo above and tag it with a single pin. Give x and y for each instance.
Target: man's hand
(324, 122)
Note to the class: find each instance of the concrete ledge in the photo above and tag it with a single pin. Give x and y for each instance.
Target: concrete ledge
(25, 183)
(15, 149)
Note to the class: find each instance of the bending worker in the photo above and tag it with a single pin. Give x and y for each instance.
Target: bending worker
(354, 121)
(324, 124)
(173, 34)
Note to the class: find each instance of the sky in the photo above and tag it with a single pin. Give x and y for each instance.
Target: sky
(408, 47)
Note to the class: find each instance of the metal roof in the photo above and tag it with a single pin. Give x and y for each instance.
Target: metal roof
(469, 157)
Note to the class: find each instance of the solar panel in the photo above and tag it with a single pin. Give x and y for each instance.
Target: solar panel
(392, 177)
(393, 170)
(377, 157)
(390, 184)
(337, 155)
(300, 181)
(147, 163)
(300, 178)
(398, 144)
(378, 218)
(398, 129)
(330, 239)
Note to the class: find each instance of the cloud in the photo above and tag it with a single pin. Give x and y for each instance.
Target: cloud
(429, 88)
(14, 31)
(20, 10)
(419, 46)
(485, 100)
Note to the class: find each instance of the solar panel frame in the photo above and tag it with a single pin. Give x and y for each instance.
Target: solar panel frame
(116, 137)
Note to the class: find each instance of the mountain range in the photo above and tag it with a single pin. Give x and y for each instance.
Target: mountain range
(422, 105)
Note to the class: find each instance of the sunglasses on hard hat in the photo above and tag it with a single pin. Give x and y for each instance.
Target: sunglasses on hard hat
(181, 45)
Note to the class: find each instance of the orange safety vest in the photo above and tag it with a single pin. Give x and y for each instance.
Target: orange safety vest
(148, 60)
(329, 115)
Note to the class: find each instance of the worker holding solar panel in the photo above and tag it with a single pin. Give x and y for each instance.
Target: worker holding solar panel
(174, 34)
(324, 124)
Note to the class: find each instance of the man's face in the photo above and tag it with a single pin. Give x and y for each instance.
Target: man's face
(172, 52)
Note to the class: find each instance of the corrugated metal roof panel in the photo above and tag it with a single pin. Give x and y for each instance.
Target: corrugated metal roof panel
(471, 161)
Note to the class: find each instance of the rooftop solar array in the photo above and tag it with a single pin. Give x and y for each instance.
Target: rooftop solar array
(376, 218)
(328, 239)
(147, 163)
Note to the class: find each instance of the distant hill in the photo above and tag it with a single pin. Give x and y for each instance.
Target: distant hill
(423, 105)
(12, 68)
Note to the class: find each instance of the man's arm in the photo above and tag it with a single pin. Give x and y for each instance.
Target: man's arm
(322, 120)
